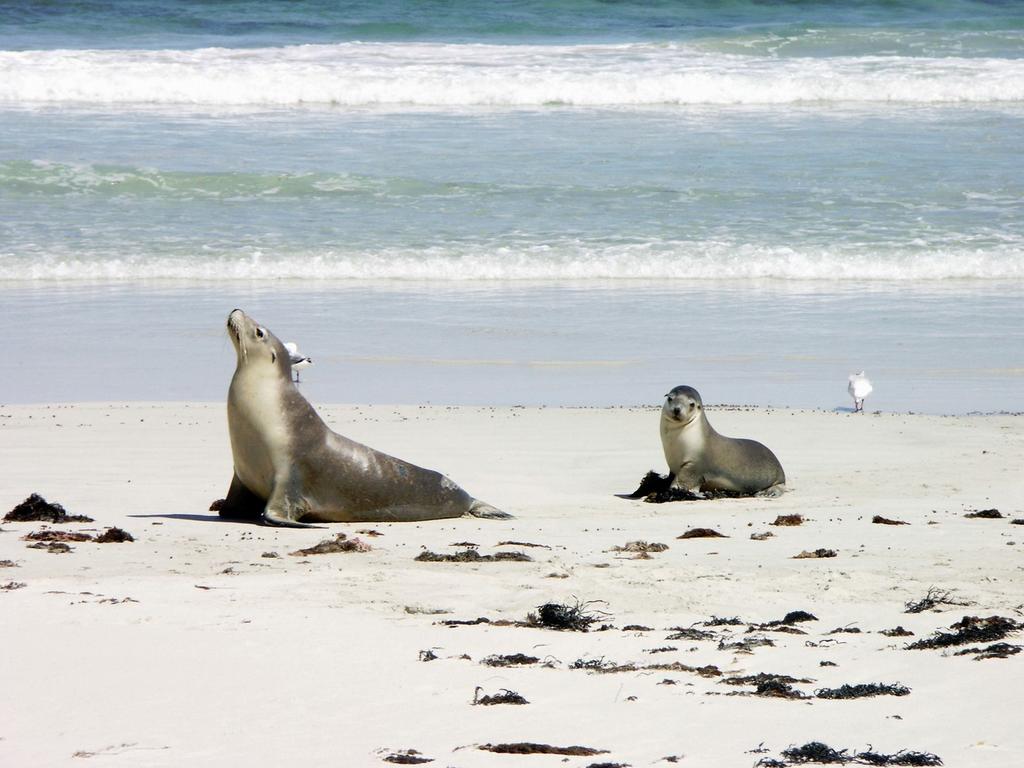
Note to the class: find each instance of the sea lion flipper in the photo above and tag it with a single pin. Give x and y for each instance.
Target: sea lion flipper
(652, 482)
(283, 521)
(485, 510)
(240, 502)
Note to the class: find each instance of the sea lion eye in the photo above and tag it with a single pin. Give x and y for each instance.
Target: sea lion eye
(259, 333)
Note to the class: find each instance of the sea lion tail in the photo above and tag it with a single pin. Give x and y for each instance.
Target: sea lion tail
(483, 509)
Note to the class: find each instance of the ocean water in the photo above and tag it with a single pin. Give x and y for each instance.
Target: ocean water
(562, 203)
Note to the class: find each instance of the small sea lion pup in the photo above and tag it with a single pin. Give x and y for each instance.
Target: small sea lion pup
(700, 459)
(290, 467)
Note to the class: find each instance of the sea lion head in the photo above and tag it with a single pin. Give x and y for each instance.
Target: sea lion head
(682, 405)
(256, 345)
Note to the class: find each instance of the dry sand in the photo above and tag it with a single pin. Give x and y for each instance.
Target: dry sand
(189, 647)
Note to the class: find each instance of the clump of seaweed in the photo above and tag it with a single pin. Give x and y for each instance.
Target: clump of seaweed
(472, 556)
(788, 520)
(845, 630)
(504, 697)
(533, 748)
(636, 628)
(690, 633)
(8, 564)
(933, 599)
(641, 549)
(340, 543)
(465, 622)
(593, 665)
(764, 677)
(793, 617)
(702, 533)
(427, 655)
(672, 494)
(862, 690)
(761, 536)
(10, 586)
(114, 536)
(994, 651)
(56, 536)
(817, 752)
(1017, 521)
(54, 547)
(985, 514)
(777, 689)
(879, 520)
(508, 660)
(37, 509)
(747, 645)
(970, 629)
(577, 618)
(652, 482)
(815, 553)
(896, 632)
(521, 544)
(407, 757)
(724, 621)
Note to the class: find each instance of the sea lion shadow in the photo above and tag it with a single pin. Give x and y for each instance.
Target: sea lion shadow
(202, 518)
(844, 409)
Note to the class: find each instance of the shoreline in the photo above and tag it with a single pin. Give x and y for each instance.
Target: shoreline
(162, 651)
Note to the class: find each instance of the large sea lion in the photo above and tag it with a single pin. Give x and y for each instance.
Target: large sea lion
(290, 467)
(700, 459)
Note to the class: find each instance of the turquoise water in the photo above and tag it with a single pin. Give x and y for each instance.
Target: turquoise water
(824, 186)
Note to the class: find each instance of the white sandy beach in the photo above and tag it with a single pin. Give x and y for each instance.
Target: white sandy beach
(187, 647)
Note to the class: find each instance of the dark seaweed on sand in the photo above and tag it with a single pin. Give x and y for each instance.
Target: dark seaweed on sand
(51, 535)
(407, 757)
(788, 520)
(816, 752)
(985, 514)
(764, 677)
(724, 621)
(861, 691)
(465, 622)
(778, 689)
(36, 508)
(114, 536)
(816, 553)
(702, 533)
(879, 520)
(793, 617)
(994, 651)
(970, 629)
(56, 547)
(472, 556)
(896, 632)
(746, 645)
(340, 543)
(689, 633)
(505, 697)
(508, 660)
(577, 618)
(652, 482)
(932, 599)
(532, 748)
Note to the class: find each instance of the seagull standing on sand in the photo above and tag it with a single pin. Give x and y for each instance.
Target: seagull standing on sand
(859, 388)
(298, 361)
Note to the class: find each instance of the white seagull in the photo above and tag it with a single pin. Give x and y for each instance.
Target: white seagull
(859, 388)
(297, 360)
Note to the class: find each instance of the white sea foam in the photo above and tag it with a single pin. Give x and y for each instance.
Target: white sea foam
(447, 75)
(679, 262)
